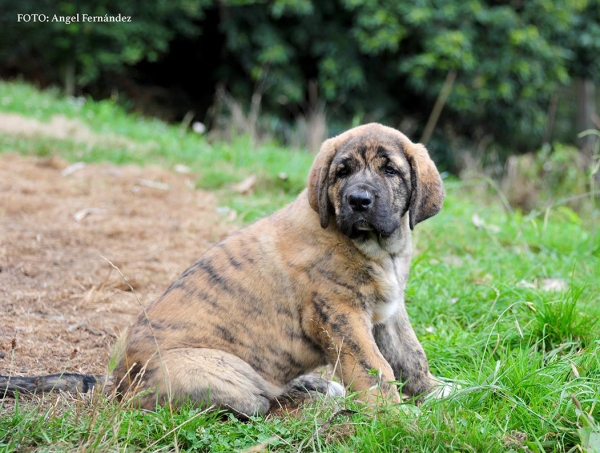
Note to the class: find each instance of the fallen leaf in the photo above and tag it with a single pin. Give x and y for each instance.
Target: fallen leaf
(72, 168)
(526, 284)
(545, 284)
(244, 187)
(553, 284)
(477, 221)
(83, 213)
(153, 184)
(574, 368)
(480, 223)
(182, 169)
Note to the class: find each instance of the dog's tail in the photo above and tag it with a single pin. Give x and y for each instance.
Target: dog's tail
(64, 382)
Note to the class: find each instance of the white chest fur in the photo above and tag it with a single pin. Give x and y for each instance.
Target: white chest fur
(390, 262)
(390, 278)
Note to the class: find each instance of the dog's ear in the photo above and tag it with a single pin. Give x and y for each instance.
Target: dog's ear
(318, 180)
(428, 192)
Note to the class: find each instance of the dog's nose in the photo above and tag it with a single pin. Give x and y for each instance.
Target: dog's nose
(360, 200)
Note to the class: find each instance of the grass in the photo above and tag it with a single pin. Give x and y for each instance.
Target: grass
(124, 138)
(480, 297)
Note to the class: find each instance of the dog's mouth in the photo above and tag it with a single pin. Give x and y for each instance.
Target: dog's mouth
(362, 226)
(369, 224)
(355, 226)
(364, 230)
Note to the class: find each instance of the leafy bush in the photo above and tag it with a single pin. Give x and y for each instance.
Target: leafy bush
(90, 48)
(369, 59)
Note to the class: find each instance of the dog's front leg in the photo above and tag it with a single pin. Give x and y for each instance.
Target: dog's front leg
(347, 340)
(399, 345)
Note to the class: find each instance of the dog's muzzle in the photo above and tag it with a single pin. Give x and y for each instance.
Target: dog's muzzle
(366, 211)
(359, 210)
(360, 200)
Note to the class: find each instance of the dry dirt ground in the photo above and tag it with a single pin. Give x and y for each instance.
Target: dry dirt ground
(62, 303)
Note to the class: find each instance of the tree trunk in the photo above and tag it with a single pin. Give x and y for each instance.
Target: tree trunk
(586, 101)
(70, 76)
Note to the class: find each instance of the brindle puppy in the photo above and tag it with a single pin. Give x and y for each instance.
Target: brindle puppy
(319, 282)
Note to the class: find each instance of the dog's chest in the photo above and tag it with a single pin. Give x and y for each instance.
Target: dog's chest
(390, 280)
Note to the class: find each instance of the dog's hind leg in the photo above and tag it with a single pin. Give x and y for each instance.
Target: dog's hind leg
(305, 387)
(312, 383)
(206, 377)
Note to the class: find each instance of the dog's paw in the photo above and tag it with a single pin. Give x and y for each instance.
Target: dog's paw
(335, 389)
(442, 388)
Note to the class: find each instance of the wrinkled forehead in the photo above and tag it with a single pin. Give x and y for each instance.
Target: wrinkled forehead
(368, 147)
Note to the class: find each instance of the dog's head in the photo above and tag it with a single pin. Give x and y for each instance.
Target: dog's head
(369, 177)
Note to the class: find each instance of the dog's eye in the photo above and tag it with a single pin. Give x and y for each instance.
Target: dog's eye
(343, 172)
(389, 170)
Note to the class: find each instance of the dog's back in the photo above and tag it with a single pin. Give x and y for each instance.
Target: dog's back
(234, 316)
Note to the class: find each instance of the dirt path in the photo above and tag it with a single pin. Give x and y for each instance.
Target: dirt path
(61, 303)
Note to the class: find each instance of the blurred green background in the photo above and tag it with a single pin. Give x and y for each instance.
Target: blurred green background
(508, 77)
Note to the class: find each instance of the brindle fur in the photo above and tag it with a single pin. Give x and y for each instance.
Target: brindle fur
(318, 282)
(313, 283)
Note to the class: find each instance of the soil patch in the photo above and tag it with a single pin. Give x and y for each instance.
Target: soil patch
(62, 303)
